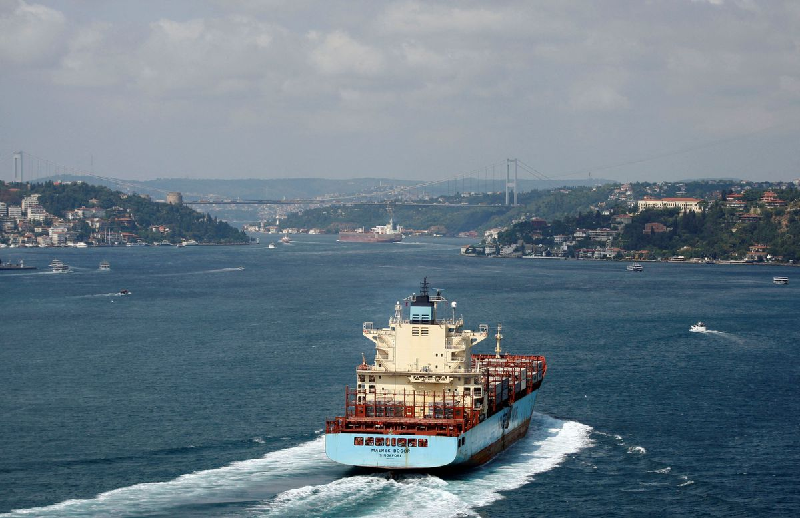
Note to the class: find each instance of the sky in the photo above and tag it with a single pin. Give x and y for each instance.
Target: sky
(643, 90)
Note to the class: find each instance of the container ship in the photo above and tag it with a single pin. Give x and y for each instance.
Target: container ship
(426, 402)
(380, 234)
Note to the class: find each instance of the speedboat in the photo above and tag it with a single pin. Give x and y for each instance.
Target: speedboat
(124, 292)
(635, 267)
(780, 280)
(271, 245)
(698, 328)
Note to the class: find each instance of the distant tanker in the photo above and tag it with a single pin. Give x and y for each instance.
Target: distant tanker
(380, 234)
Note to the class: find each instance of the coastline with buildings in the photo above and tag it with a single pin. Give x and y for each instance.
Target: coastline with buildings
(77, 214)
(733, 226)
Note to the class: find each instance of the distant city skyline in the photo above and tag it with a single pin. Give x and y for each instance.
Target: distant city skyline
(625, 90)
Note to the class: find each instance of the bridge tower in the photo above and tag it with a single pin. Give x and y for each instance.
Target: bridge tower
(18, 167)
(509, 183)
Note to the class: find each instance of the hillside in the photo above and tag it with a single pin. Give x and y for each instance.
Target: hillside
(93, 213)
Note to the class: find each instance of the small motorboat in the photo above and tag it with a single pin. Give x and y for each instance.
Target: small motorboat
(271, 245)
(635, 267)
(105, 265)
(780, 280)
(124, 292)
(699, 327)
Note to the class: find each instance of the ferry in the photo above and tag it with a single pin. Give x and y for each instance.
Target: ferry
(635, 267)
(427, 402)
(105, 265)
(780, 280)
(58, 267)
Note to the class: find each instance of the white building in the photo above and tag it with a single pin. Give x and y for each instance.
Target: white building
(30, 201)
(684, 204)
(36, 213)
(58, 236)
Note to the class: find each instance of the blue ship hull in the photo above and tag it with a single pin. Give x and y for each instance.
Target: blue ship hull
(476, 446)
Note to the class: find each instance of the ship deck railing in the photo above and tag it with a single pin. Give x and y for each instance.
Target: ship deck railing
(504, 380)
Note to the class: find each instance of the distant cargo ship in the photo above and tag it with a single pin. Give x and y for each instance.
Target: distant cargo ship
(380, 234)
(12, 266)
(427, 402)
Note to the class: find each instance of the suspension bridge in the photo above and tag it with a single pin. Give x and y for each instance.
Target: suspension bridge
(30, 167)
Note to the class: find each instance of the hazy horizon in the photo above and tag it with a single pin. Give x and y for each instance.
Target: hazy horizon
(666, 90)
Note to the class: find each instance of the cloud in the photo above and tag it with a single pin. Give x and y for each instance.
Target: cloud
(417, 18)
(531, 74)
(596, 97)
(339, 53)
(30, 34)
(92, 59)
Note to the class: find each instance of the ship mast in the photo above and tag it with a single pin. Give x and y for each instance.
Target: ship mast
(498, 337)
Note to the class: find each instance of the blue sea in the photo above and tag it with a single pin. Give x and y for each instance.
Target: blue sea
(205, 391)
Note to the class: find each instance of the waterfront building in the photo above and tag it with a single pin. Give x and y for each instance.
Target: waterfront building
(58, 236)
(602, 234)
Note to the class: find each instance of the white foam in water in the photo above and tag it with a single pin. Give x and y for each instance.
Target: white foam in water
(548, 443)
(226, 484)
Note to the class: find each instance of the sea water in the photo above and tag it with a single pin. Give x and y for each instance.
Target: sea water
(205, 391)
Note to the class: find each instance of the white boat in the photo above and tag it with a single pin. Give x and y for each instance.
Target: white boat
(271, 245)
(698, 328)
(780, 280)
(635, 267)
(104, 265)
(58, 267)
(286, 239)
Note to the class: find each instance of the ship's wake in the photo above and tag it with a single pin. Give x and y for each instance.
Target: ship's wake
(723, 335)
(548, 443)
(301, 481)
